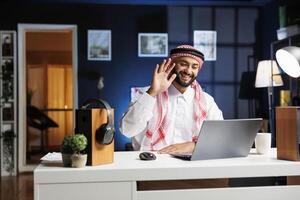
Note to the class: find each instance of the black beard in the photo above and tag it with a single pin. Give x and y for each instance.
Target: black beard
(181, 83)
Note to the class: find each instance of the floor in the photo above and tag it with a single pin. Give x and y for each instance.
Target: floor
(17, 187)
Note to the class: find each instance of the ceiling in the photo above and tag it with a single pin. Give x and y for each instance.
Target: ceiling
(163, 2)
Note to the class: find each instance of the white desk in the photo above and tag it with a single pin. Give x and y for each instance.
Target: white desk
(118, 180)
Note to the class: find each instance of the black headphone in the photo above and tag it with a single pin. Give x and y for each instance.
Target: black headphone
(105, 133)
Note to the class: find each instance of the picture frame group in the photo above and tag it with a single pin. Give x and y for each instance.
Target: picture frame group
(149, 44)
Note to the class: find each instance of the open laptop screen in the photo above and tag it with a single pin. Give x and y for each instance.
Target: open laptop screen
(225, 138)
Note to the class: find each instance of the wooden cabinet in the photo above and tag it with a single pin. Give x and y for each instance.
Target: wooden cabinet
(288, 132)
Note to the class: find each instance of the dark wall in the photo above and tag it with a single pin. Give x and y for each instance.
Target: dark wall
(125, 69)
(269, 24)
(237, 39)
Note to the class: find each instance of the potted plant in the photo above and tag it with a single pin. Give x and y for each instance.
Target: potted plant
(66, 151)
(78, 144)
(72, 150)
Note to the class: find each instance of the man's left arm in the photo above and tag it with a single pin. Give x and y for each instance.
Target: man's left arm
(186, 147)
(213, 113)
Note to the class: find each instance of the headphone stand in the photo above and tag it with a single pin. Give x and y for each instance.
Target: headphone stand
(87, 123)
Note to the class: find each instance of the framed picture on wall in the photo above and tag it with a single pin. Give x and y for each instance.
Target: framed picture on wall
(99, 45)
(206, 42)
(153, 44)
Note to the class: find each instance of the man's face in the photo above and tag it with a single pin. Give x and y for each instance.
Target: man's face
(187, 70)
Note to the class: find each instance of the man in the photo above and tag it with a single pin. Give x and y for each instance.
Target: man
(167, 116)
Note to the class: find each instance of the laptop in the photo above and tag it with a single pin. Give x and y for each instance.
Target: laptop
(224, 139)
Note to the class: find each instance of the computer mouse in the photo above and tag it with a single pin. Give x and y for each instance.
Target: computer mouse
(147, 156)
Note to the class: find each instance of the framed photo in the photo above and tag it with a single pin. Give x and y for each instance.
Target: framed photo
(206, 42)
(99, 45)
(153, 44)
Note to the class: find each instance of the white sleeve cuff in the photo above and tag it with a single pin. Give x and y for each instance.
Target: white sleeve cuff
(147, 101)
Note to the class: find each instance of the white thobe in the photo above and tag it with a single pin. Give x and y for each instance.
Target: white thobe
(180, 109)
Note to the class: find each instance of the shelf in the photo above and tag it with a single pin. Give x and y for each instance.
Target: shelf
(7, 57)
(8, 109)
(8, 122)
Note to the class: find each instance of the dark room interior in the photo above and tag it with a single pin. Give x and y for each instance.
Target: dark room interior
(247, 32)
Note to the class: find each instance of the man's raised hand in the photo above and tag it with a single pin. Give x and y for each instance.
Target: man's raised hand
(162, 80)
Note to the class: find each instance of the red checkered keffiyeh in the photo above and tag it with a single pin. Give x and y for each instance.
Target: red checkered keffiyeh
(155, 135)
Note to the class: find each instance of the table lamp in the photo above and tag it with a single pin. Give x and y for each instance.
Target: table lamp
(268, 75)
(264, 77)
(287, 118)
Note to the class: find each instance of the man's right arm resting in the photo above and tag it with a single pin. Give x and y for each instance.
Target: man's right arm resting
(136, 119)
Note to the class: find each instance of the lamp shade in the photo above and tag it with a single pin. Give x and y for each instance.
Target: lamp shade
(264, 76)
(288, 59)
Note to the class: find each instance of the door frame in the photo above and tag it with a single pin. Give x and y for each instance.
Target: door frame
(22, 134)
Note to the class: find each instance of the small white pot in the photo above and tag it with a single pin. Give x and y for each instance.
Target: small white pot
(79, 160)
